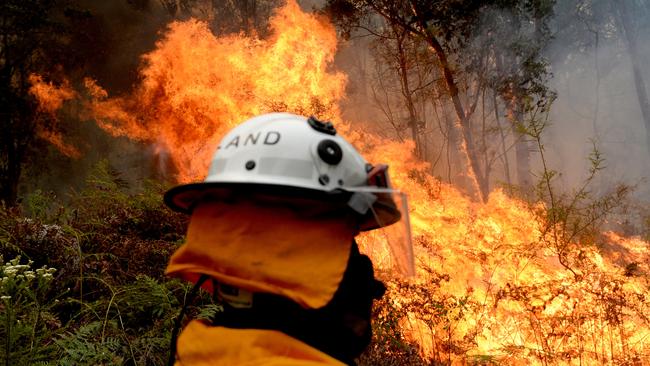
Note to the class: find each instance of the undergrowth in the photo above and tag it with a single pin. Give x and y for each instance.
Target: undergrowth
(83, 284)
(98, 293)
(568, 291)
(85, 281)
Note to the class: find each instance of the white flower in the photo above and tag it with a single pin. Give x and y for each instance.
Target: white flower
(5, 297)
(30, 276)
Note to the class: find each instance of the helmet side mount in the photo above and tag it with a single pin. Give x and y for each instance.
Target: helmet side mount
(320, 126)
(330, 152)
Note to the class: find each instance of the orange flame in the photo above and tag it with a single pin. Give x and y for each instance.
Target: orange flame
(196, 86)
(51, 99)
(492, 290)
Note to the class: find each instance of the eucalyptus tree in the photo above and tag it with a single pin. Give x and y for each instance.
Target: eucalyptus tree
(476, 46)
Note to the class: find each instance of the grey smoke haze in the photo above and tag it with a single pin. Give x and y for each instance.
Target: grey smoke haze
(605, 110)
(597, 101)
(599, 106)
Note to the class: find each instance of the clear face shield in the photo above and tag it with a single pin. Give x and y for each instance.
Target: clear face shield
(387, 237)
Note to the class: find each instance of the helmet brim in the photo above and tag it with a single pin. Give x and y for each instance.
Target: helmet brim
(184, 198)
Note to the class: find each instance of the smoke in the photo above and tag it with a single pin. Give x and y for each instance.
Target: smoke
(597, 104)
(115, 35)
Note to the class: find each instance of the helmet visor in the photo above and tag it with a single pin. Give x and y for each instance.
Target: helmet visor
(390, 245)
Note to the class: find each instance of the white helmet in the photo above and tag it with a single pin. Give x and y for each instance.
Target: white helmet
(295, 160)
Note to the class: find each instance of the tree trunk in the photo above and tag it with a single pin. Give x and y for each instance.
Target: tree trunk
(467, 142)
(630, 36)
(450, 132)
(9, 166)
(514, 114)
(504, 150)
(407, 94)
(522, 145)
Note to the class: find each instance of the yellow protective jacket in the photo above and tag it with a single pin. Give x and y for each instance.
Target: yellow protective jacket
(262, 248)
(203, 345)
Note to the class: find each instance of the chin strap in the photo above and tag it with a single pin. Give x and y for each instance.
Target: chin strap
(177, 323)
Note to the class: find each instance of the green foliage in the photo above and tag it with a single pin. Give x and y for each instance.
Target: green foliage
(146, 300)
(39, 205)
(105, 207)
(571, 219)
(86, 347)
(132, 325)
(209, 311)
(27, 321)
(109, 302)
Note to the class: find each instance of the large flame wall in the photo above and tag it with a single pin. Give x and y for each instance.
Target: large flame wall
(195, 86)
(486, 286)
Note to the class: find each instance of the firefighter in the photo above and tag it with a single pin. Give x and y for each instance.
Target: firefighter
(271, 235)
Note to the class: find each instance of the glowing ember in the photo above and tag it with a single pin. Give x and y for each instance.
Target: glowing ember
(486, 289)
